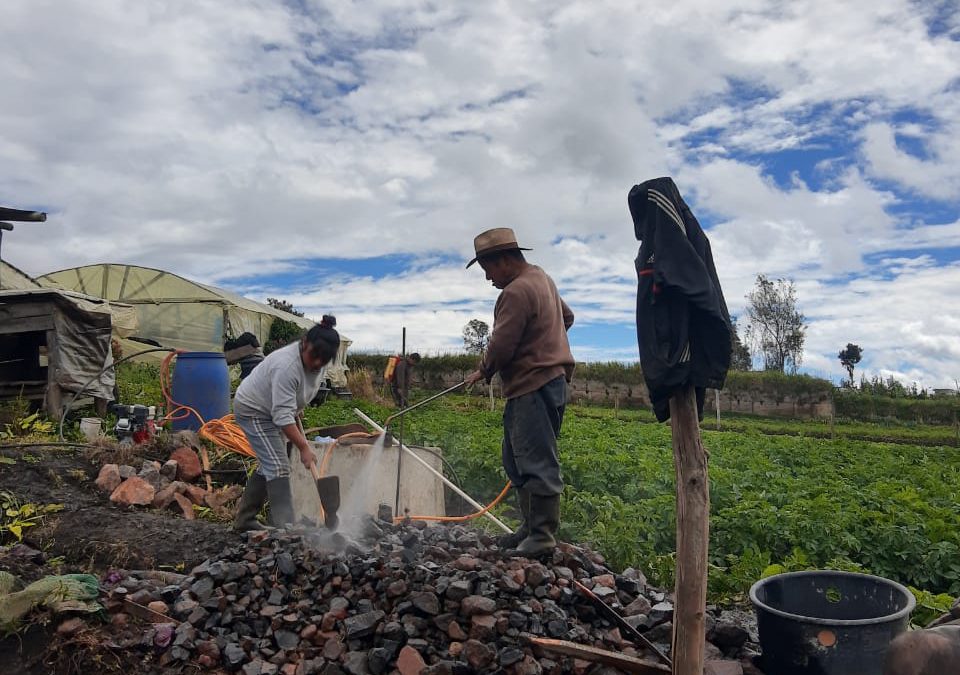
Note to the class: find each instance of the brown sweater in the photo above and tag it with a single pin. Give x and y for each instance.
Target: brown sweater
(529, 344)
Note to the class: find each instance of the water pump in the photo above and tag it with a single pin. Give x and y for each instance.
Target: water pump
(135, 423)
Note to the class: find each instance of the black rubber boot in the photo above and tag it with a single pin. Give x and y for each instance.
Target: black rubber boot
(254, 495)
(328, 488)
(281, 501)
(544, 521)
(511, 541)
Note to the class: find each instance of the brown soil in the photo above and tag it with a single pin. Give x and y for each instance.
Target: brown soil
(90, 535)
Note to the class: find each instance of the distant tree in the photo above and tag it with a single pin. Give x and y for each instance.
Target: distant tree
(283, 306)
(776, 326)
(740, 357)
(282, 332)
(891, 387)
(849, 358)
(476, 335)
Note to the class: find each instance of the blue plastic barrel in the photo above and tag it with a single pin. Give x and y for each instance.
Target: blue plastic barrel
(201, 381)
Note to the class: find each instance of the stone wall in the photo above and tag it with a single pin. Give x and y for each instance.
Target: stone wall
(594, 392)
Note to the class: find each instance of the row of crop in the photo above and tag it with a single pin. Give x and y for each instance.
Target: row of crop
(614, 373)
(859, 406)
(774, 499)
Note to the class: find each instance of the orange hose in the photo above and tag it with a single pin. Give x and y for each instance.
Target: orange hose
(225, 433)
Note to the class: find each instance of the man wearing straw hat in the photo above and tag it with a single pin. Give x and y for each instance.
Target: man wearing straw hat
(530, 351)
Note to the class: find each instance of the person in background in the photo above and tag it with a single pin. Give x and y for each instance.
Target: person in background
(402, 374)
(530, 351)
(266, 406)
(250, 361)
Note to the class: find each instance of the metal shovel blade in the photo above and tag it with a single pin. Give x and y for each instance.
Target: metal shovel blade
(328, 488)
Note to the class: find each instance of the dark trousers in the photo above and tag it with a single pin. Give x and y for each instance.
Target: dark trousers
(531, 426)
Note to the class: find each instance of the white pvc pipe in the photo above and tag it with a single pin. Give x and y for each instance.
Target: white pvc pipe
(439, 475)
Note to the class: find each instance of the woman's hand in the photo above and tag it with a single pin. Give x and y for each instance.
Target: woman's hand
(474, 377)
(307, 456)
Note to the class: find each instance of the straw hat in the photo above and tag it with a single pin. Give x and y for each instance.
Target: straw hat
(491, 241)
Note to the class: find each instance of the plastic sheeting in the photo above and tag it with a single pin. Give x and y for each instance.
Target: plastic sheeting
(66, 593)
(177, 312)
(12, 278)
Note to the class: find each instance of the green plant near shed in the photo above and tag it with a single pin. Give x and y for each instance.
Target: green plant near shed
(282, 333)
(16, 516)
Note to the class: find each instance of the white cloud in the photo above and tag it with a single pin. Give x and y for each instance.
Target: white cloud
(937, 176)
(217, 139)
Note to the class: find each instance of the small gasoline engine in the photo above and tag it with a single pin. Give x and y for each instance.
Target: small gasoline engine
(135, 423)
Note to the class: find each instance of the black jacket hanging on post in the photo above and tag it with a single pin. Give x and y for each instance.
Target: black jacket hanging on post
(683, 328)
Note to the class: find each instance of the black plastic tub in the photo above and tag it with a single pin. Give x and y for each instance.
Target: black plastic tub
(828, 623)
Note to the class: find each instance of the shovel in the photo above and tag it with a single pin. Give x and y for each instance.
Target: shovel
(328, 487)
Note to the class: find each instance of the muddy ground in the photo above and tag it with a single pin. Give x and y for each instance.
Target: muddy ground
(90, 535)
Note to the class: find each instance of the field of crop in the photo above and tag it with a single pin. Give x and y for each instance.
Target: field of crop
(780, 499)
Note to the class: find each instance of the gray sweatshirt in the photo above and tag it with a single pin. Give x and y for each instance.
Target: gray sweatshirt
(278, 388)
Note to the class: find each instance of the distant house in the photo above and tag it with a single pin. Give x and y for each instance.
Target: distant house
(945, 392)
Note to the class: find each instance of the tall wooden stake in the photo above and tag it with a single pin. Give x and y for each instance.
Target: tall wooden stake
(716, 399)
(693, 515)
(403, 358)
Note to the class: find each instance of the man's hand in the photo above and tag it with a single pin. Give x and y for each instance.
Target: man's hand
(307, 457)
(474, 377)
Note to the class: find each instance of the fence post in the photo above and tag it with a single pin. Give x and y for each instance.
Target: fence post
(693, 515)
(716, 399)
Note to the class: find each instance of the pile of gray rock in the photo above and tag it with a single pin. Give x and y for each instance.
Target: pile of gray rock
(406, 599)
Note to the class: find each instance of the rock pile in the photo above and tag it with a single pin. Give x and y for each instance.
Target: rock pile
(165, 485)
(408, 600)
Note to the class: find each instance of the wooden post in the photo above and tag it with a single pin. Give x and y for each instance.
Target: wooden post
(716, 400)
(693, 513)
(53, 401)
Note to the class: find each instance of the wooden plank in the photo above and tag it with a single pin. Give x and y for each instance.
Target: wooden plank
(693, 513)
(205, 460)
(631, 664)
(54, 402)
(30, 324)
(20, 310)
(611, 615)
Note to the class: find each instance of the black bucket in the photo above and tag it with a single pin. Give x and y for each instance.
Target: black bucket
(828, 623)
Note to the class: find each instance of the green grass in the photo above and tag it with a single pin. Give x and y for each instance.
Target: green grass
(781, 497)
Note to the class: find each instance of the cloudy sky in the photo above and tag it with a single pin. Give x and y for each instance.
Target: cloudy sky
(343, 155)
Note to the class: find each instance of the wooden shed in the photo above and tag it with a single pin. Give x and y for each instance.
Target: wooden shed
(54, 343)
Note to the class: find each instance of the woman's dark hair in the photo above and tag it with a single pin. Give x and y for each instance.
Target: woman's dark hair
(324, 338)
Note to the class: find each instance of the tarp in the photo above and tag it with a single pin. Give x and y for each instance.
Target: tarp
(66, 593)
(12, 278)
(177, 312)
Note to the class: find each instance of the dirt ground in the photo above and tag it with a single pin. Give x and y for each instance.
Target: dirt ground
(90, 535)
